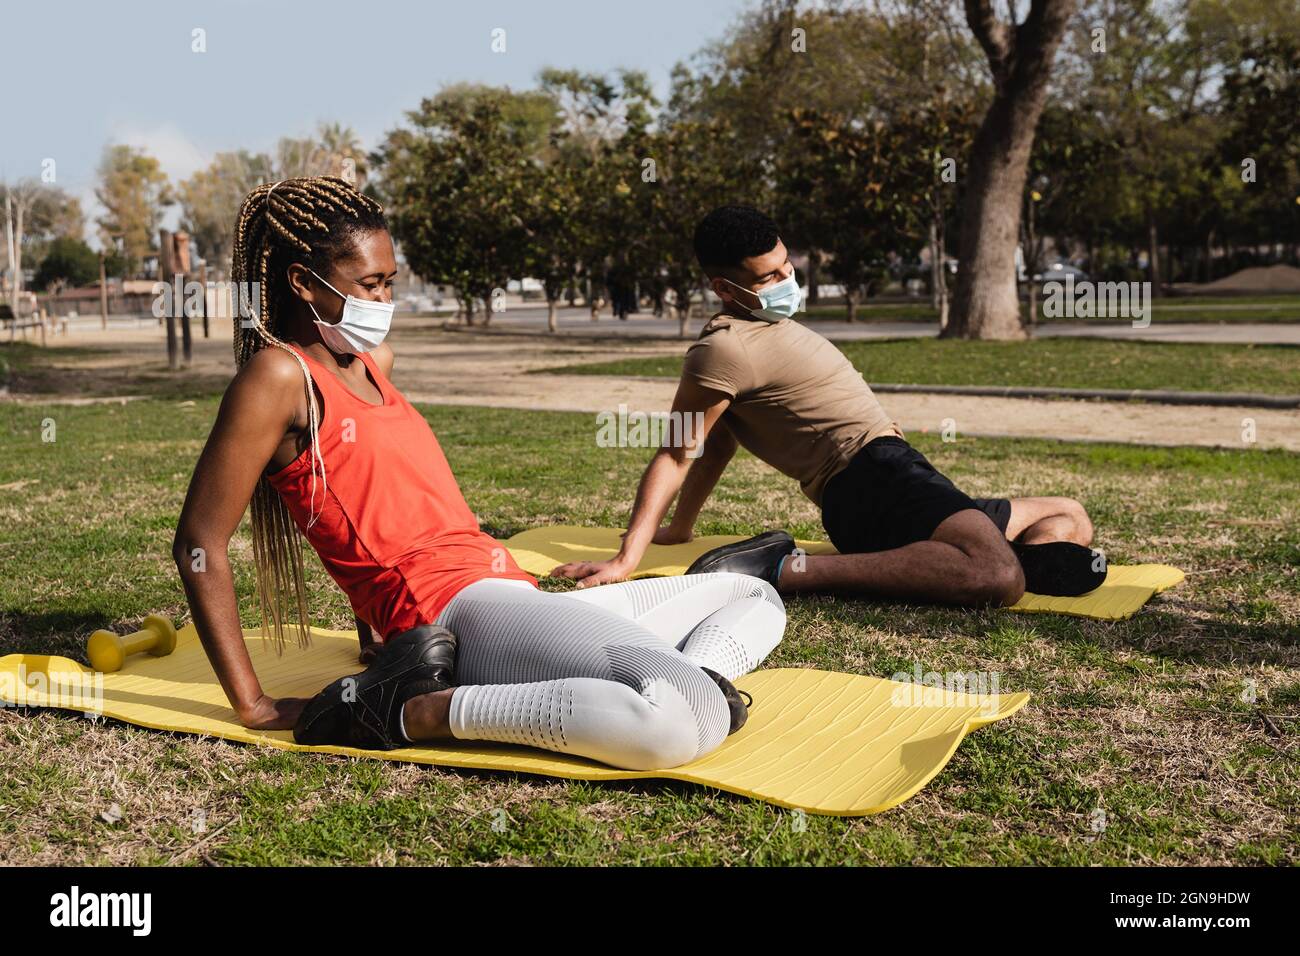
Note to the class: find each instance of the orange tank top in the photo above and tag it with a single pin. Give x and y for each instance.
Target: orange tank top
(392, 528)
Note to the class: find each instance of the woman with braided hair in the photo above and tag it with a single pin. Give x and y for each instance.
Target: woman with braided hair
(313, 434)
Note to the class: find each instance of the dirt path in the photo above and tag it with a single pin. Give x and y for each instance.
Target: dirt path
(458, 368)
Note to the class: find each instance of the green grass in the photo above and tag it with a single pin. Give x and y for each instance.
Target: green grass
(1142, 719)
(1059, 363)
(1208, 309)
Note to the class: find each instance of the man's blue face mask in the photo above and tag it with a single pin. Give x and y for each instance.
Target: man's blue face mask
(776, 303)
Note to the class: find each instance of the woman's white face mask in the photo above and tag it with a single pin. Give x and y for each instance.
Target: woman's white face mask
(361, 328)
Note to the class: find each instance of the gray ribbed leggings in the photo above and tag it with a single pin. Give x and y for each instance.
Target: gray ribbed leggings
(613, 672)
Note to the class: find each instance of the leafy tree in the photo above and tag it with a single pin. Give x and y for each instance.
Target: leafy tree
(458, 187)
(875, 60)
(601, 140)
(343, 155)
(67, 262)
(210, 200)
(694, 167)
(1260, 116)
(133, 190)
(869, 183)
(554, 231)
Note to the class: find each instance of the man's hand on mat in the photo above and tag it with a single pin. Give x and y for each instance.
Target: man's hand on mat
(273, 713)
(589, 574)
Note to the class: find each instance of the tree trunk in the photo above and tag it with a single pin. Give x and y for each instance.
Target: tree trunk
(938, 273)
(181, 263)
(11, 256)
(850, 304)
(814, 271)
(1031, 260)
(103, 293)
(203, 308)
(1153, 255)
(552, 314)
(985, 305)
(18, 255)
(936, 265)
(165, 269)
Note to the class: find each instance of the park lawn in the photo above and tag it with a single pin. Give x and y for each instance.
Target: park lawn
(1056, 363)
(28, 369)
(1235, 309)
(1149, 721)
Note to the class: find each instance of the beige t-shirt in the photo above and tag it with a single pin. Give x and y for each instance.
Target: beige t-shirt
(797, 402)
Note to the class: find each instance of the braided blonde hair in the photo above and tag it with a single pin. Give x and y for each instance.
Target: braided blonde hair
(311, 221)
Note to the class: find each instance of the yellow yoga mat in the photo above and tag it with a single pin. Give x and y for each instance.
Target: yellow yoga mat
(823, 742)
(541, 550)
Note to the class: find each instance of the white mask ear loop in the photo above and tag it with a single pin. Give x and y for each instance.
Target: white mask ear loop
(332, 289)
(743, 289)
(327, 285)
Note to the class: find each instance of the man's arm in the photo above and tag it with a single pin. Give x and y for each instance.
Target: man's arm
(701, 408)
(719, 448)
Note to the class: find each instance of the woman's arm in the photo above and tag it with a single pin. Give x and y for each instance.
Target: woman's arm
(383, 356)
(258, 413)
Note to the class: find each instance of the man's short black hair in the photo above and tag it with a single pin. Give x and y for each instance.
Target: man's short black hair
(731, 234)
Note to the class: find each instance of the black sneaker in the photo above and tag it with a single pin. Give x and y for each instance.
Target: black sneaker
(1060, 568)
(365, 710)
(760, 556)
(739, 708)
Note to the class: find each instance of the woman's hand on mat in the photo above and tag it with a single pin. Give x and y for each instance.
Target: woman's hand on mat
(589, 574)
(670, 535)
(273, 713)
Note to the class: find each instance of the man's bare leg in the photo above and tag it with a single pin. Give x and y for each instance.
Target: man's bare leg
(966, 561)
(1043, 520)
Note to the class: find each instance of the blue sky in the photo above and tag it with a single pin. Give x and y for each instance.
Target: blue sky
(93, 72)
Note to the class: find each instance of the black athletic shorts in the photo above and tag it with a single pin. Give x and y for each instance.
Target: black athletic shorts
(889, 495)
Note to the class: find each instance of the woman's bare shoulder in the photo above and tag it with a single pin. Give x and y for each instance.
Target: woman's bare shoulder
(271, 367)
(272, 381)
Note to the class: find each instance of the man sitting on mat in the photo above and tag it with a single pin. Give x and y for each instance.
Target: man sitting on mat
(757, 378)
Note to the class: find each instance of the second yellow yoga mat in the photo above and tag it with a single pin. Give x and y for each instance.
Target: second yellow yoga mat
(541, 550)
